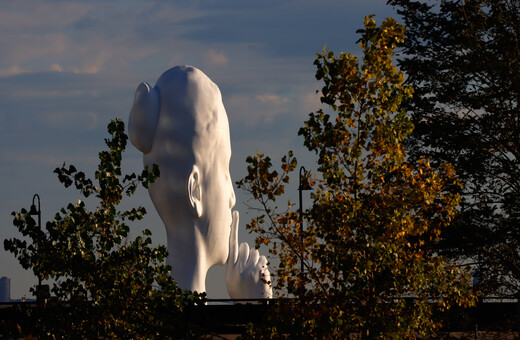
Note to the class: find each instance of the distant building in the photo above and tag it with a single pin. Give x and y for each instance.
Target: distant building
(5, 289)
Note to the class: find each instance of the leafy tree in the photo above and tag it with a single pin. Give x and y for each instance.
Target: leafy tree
(463, 60)
(368, 252)
(104, 283)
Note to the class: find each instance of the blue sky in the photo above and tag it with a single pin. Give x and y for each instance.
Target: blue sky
(68, 67)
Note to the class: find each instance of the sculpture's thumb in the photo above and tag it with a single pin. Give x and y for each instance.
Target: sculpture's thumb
(233, 240)
(144, 117)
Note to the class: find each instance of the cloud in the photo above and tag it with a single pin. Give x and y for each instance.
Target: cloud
(284, 28)
(60, 104)
(37, 17)
(87, 38)
(39, 158)
(272, 99)
(65, 120)
(56, 67)
(93, 68)
(261, 110)
(311, 101)
(13, 70)
(216, 58)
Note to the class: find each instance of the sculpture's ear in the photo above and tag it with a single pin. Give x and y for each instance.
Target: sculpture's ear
(195, 191)
(144, 117)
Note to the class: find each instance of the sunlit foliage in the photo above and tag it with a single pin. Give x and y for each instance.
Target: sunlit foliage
(368, 252)
(104, 282)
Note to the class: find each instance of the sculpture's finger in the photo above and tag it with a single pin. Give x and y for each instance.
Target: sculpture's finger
(265, 276)
(233, 240)
(243, 255)
(253, 258)
(262, 263)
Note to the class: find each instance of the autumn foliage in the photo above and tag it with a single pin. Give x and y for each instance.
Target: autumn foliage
(368, 250)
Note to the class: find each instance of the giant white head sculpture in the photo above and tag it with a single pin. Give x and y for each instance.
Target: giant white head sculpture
(182, 126)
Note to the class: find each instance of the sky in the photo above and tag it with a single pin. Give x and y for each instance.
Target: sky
(68, 67)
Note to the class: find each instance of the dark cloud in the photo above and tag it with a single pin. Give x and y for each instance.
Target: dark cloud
(57, 113)
(287, 28)
(60, 80)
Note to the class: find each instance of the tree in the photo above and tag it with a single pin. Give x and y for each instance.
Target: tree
(369, 250)
(104, 283)
(462, 58)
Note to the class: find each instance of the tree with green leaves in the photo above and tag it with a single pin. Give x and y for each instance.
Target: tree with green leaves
(463, 60)
(104, 283)
(369, 250)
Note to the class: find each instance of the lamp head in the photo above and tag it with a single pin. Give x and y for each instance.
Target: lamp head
(304, 184)
(33, 210)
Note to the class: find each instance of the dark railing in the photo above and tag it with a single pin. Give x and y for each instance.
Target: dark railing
(231, 316)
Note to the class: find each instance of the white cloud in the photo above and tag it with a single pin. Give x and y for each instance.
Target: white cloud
(261, 109)
(56, 68)
(11, 71)
(93, 67)
(216, 58)
(311, 101)
(85, 38)
(272, 99)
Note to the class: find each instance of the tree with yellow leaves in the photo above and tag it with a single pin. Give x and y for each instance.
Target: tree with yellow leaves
(368, 253)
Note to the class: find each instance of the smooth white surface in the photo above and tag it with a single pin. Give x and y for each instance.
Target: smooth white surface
(246, 271)
(182, 126)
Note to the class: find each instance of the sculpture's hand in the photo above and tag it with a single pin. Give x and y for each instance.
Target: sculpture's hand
(247, 274)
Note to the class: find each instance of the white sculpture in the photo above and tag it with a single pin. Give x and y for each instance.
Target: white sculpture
(182, 126)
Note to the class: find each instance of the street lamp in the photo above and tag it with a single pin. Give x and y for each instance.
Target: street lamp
(301, 187)
(33, 211)
(38, 212)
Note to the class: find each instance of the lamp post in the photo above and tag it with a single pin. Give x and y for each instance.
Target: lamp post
(301, 187)
(33, 211)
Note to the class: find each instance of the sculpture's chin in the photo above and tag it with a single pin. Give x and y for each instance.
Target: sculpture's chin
(221, 263)
(224, 258)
